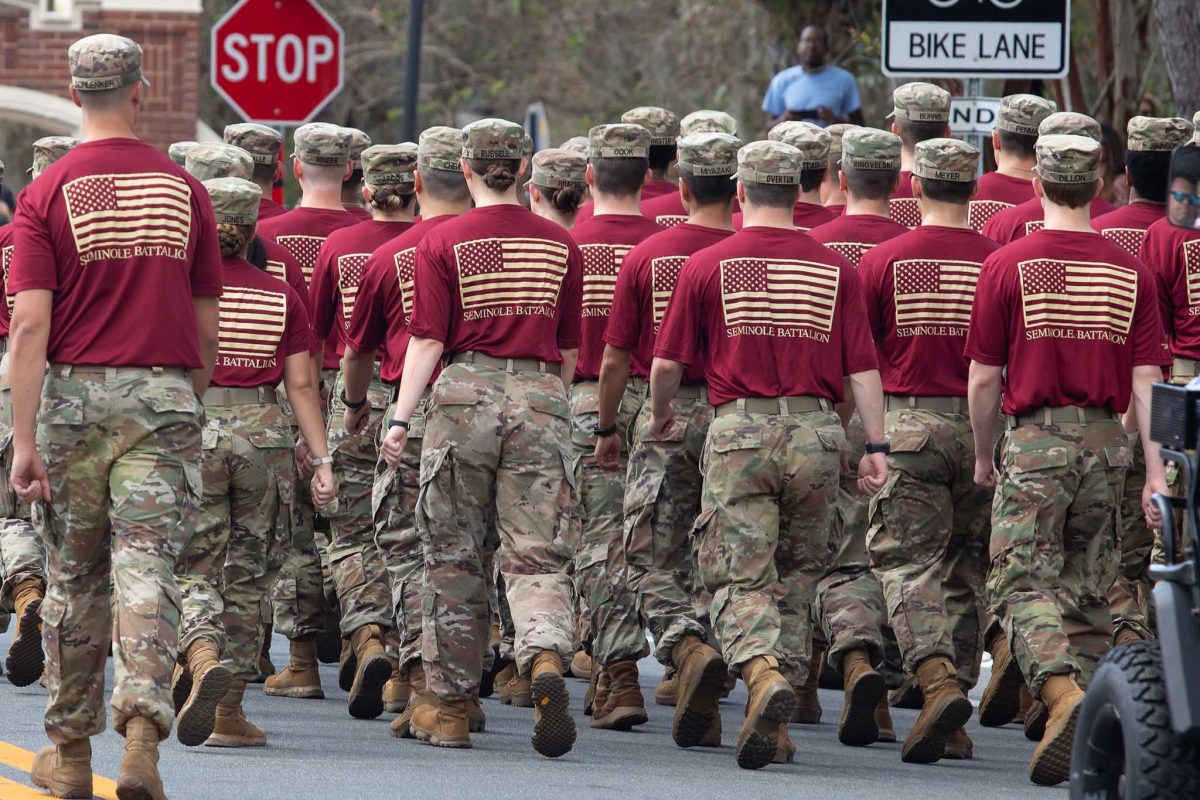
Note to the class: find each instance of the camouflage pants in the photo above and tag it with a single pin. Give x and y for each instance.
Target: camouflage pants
(241, 531)
(122, 451)
(599, 502)
(497, 447)
(929, 523)
(767, 509)
(363, 590)
(1129, 596)
(1054, 545)
(22, 553)
(661, 506)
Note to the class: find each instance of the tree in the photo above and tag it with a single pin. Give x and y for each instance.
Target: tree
(1178, 24)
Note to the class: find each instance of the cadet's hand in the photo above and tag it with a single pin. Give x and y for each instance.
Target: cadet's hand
(660, 425)
(303, 454)
(393, 445)
(1153, 517)
(322, 486)
(29, 477)
(872, 473)
(608, 452)
(985, 473)
(354, 421)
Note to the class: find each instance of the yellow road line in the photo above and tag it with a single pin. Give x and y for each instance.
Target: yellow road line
(11, 790)
(21, 759)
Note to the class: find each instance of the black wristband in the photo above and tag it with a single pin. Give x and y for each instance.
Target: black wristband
(881, 447)
(352, 406)
(399, 423)
(602, 432)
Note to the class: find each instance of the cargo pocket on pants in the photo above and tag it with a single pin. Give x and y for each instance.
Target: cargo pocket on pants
(641, 499)
(54, 611)
(710, 563)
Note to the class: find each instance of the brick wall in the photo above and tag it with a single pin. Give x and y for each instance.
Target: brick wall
(38, 60)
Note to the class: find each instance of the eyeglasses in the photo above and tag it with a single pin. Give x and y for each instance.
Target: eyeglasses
(1185, 197)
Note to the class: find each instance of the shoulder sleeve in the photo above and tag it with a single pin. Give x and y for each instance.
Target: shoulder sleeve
(987, 335)
(297, 335)
(34, 265)
(858, 349)
(624, 322)
(368, 326)
(432, 290)
(322, 293)
(1150, 254)
(871, 273)
(1147, 336)
(206, 260)
(679, 333)
(570, 300)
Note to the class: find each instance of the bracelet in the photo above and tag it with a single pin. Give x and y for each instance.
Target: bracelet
(602, 432)
(881, 447)
(316, 462)
(399, 423)
(352, 406)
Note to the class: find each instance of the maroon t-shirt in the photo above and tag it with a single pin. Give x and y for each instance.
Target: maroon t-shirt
(6, 251)
(852, 235)
(268, 208)
(996, 193)
(904, 208)
(1173, 255)
(805, 216)
(263, 321)
(358, 212)
(919, 288)
(650, 191)
(1127, 225)
(280, 264)
(837, 208)
(302, 231)
(383, 307)
(645, 285)
(335, 279)
(604, 240)
(771, 313)
(1021, 220)
(1070, 314)
(125, 239)
(666, 209)
(499, 280)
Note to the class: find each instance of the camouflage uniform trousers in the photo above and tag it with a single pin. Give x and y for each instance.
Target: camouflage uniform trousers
(241, 532)
(1129, 596)
(122, 451)
(761, 537)
(363, 590)
(599, 503)
(1054, 551)
(22, 553)
(929, 523)
(497, 448)
(662, 503)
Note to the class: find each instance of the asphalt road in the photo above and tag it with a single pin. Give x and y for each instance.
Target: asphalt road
(316, 750)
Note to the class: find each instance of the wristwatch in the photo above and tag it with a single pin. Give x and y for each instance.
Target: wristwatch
(602, 432)
(316, 462)
(880, 447)
(352, 406)
(399, 423)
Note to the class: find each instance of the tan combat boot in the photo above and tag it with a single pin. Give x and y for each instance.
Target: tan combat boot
(65, 770)
(299, 678)
(959, 746)
(265, 666)
(1051, 762)
(347, 666)
(1126, 636)
(700, 679)
(553, 727)
(232, 728)
(666, 693)
(712, 737)
(402, 725)
(181, 686)
(946, 710)
(883, 721)
(396, 691)
(626, 707)
(476, 719)
(808, 703)
(25, 659)
(864, 689)
(210, 680)
(770, 705)
(785, 751)
(1001, 698)
(139, 779)
(442, 723)
(374, 669)
(582, 665)
(503, 678)
(908, 695)
(518, 692)
(1035, 719)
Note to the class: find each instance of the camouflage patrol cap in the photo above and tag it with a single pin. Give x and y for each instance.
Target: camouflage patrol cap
(1023, 113)
(770, 162)
(234, 201)
(440, 147)
(359, 141)
(1065, 158)
(322, 144)
(709, 153)
(576, 144)
(812, 140)
(384, 164)
(559, 168)
(836, 132)
(179, 150)
(527, 146)
(1158, 133)
(105, 61)
(946, 160)
(707, 121)
(493, 139)
(49, 149)
(261, 142)
(921, 102)
(622, 140)
(870, 148)
(209, 161)
(662, 124)
(1070, 123)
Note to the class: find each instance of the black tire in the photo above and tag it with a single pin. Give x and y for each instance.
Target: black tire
(1124, 746)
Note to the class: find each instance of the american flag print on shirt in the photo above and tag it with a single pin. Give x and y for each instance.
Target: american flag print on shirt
(252, 323)
(277, 269)
(934, 297)
(772, 297)
(506, 273)
(851, 251)
(1033, 226)
(350, 274)
(670, 220)
(6, 264)
(1089, 299)
(980, 211)
(1191, 266)
(1128, 238)
(405, 269)
(148, 213)
(664, 275)
(304, 249)
(905, 211)
(601, 264)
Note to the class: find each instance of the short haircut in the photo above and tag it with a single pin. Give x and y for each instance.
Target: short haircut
(1071, 195)
(619, 177)
(811, 179)
(1149, 173)
(447, 185)
(709, 190)
(871, 184)
(957, 192)
(661, 156)
(1019, 145)
(772, 195)
(105, 99)
(323, 174)
(264, 173)
(913, 132)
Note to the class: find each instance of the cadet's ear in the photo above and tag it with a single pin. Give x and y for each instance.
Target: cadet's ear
(418, 182)
(348, 171)
(685, 194)
(741, 193)
(589, 175)
(895, 128)
(278, 172)
(842, 185)
(365, 191)
(75, 96)
(1038, 190)
(917, 192)
(297, 168)
(996, 140)
(535, 196)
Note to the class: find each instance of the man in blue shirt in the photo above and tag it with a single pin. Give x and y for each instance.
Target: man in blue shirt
(813, 90)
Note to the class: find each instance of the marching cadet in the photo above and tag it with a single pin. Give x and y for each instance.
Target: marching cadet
(1067, 350)
(776, 320)
(557, 187)
(663, 480)
(263, 145)
(814, 141)
(617, 167)
(922, 111)
(930, 520)
(22, 552)
(352, 184)
(1013, 139)
(496, 299)
(120, 421)
(832, 195)
(667, 209)
(664, 130)
(870, 168)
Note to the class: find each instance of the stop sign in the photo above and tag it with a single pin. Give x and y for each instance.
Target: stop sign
(277, 62)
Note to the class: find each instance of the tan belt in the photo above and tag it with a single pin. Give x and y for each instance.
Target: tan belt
(239, 396)
(112, 373)
(773, 405)
(506, 364)
(944, 405)
(695, 391)
(1185, 368)
(1062, 415)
